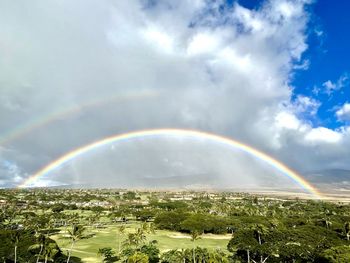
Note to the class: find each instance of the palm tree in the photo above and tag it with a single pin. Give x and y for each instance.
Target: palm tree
(8, 216)
(75, 234)
(41, 242)
(130, 241)
(145, 227)
(42, 226)
(194, 236)
(152, 228)
(217, 256)
(259, 231)
(181, 255)
(138, 257)
(140, 235)
(50, 251)
(15, 239)
(347, 230)
(327, 222)
(73, 218)
(121, 231)
(201, 255)
(174, 256)
(94, 219)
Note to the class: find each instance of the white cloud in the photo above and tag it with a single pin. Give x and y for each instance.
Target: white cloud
(288, 9)
(330, 87)
(306, 105)
(203, 43)
(343, 114)
(304, 65)
(160, 39)
(319, 32)
(322, 134)
(287, 120)
(316, 90)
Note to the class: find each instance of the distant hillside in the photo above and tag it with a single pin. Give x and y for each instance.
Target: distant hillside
(329, 176)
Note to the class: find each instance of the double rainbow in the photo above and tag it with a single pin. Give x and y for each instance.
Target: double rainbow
(177, 133)
(37, 123)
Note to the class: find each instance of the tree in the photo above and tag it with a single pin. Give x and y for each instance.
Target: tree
(138, 257)
(27, 248)
(94, 218)
(50, 251)
(254, 243)
(145, 215)
(194, 236)
(217, 256)
(129, 195)
(339, 254)
(7, 217)
(135, 239)
(140, 236)
(43, 227)
(108, 254)
(121, 232)
(347, 230)
(15, 239)
(151, 251)
(259, 230)
(327, 222)
(170, 220)
(176, 256)
(75, 234)
(152, 228)
(182, 255)
(243, 240)
(202, 255)
(172, 256)
(58, 208)
(195, 223)
(41, 243)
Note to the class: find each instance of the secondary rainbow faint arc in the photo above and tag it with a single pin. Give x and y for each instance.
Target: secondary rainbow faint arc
(36, 123)
(174, 132)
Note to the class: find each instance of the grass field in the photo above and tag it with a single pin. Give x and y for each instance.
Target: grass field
(87, 249)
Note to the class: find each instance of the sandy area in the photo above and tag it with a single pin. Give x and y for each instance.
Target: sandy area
(205, 236)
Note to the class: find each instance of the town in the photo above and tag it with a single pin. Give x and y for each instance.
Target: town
(120, 225)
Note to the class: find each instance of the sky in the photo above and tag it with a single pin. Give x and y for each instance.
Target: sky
(271, 74)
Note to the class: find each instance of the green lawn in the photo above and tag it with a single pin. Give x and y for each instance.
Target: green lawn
(107, 237)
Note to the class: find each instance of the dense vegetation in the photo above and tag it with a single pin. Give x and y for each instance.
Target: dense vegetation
(260, 229)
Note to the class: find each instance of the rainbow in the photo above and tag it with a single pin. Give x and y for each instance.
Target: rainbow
(36, 123)
(178, 133)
